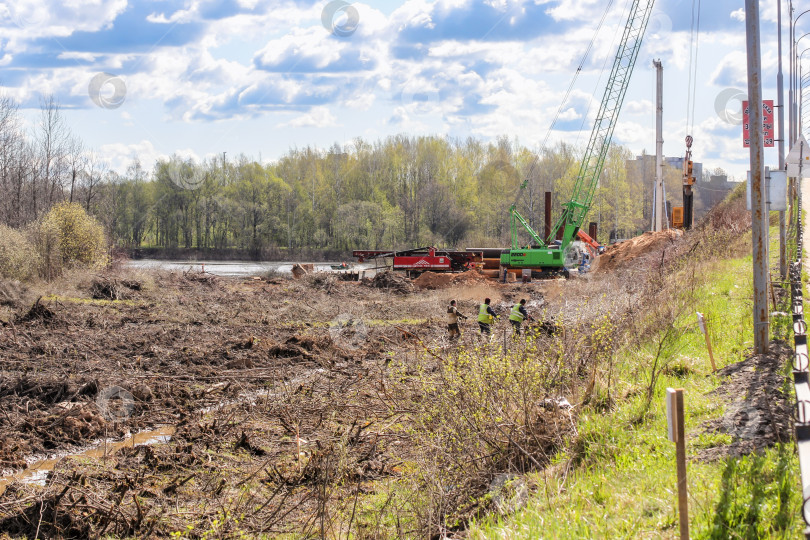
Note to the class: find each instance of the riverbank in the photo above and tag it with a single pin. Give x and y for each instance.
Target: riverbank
(233, 269)
(274, 254)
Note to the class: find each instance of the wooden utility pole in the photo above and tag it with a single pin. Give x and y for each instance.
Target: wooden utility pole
(759, 223)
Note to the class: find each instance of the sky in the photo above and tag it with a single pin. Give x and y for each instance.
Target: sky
(197, 78)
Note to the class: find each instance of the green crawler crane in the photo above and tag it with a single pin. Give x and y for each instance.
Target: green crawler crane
(545, 254)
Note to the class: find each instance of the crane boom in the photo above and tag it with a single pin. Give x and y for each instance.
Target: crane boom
(574, 211)
(594, 159)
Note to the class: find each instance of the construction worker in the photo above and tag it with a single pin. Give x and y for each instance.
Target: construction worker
(486, 317)
(517, 315)
(452, 321)
(584, 265)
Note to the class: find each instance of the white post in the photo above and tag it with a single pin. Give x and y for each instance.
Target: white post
(658, 198)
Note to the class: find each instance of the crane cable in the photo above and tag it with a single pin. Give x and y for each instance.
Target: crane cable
(694, 44)
(568, 91)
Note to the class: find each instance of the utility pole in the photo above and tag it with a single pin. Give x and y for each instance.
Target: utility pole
(658, 198)
(781, 143)
(759, 224)
(790, 77)
(223, 167)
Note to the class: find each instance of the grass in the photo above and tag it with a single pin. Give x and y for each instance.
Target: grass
(93, 301)
(618, 479)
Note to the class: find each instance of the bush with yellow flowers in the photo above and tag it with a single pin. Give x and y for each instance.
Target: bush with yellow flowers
(67, 237)
(18, 257)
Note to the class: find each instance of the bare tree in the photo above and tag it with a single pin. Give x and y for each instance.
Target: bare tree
(52, 142)
(93, 175)
(77, 161)
(11, 186)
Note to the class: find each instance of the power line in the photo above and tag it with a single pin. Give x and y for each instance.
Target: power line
(571, 87)
(694, 44)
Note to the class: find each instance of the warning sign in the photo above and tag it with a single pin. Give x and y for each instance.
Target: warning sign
(767, 123)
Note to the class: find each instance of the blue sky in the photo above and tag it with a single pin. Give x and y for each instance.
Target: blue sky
(202, 77)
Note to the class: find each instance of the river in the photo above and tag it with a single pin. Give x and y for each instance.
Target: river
(230, 268)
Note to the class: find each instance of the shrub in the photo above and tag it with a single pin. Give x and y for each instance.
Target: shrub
(18, 258)
(67, 237)
(478, 413)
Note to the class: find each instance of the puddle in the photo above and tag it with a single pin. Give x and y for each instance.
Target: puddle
(37, 472)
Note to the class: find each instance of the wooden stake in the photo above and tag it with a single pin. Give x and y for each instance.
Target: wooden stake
(676, 433)
(773, 293)
(705, 330)
(298, 445)
(709, 346)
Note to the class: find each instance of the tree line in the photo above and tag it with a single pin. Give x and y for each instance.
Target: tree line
(402, 191)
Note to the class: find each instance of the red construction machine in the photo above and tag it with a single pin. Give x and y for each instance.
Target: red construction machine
(593, 246)
(418, 260)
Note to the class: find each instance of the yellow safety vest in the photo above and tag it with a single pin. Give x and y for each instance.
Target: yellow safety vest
(515, 314)
(483, 316)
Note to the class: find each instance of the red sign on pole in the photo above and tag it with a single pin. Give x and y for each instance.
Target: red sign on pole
(767, 123)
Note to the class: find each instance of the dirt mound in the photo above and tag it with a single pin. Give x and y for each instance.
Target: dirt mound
(38, 312)
(624, 253)
(190, 278)
(105, 288)
(390, 281)
(432, 280)
(470, 276)
(321, 280)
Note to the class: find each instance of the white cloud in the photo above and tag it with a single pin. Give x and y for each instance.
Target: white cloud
(279, 65)
(24, 20)
(318, 117)
(121, 155)
(731, 71)
(643, 106)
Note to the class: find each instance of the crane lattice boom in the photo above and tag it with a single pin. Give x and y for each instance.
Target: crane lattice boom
(594, 159)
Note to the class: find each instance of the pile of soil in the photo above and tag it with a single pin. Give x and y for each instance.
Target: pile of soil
(758, 404)
(38, 312)
(105, 288)
(433, 280)
(625, 253)
(390, 281)
(321, 280)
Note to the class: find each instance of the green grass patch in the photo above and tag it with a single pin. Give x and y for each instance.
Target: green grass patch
(618, 479)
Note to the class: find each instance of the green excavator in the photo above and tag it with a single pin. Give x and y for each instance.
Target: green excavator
(553, 256)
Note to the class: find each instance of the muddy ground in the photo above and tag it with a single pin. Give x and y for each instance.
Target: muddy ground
(277, 394)
(272, 385)
(758, 393)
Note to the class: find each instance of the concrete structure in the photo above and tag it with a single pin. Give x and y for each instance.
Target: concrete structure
(707, 194)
